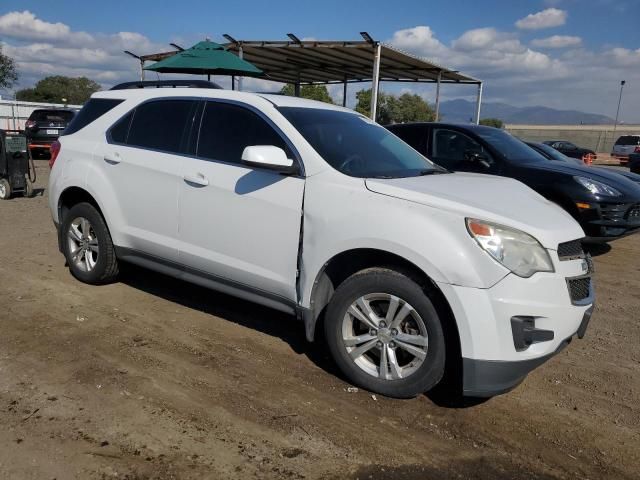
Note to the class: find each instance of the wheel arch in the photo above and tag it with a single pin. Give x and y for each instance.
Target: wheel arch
(342, 265)
(71, 196)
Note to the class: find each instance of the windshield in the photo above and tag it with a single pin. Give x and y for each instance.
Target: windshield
(356, 146)
(509, 146)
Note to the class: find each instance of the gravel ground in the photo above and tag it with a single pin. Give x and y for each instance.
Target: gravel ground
(154, 378)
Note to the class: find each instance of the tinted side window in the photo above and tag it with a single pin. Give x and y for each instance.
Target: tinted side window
(120, 131)
(413, 135)
(454, 150)
(628, 140)
(228, 129)
(93, 109)
(162, 125)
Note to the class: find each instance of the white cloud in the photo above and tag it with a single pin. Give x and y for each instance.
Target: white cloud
(26, 26)
(551, 17)
(557, 41)
(574, 78)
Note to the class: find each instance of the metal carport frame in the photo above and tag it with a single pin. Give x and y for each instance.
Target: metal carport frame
(312, 62)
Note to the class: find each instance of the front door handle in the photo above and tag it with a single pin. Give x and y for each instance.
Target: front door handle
(112, 159)
(197, 179)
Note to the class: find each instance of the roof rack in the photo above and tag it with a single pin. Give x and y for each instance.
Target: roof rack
(166, 84)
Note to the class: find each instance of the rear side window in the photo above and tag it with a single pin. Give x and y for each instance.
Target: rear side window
(120, 131)
(162, 125)
(228, 129)
(628, 140)
(93, 109)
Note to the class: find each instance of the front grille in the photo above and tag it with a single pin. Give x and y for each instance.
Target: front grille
(633, 215)
(613, 212)
(569, 250)
(579, 288)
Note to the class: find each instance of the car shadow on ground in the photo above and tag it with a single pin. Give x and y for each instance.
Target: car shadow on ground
(270, 322)
(232, 309)
(597, 249)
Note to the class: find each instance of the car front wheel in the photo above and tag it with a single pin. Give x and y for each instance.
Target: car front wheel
(385, 334)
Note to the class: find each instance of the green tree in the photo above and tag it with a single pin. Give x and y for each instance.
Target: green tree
(8, 71)
(312, 92)
(386, 105)
(492, 122)
(392, 109)
(56, 88)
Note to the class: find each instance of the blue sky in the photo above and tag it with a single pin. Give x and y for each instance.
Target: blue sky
(558, 53)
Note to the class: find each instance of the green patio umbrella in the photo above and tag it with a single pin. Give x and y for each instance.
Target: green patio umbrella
(206, 58)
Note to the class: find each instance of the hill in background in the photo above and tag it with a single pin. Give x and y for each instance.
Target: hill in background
(463, 110)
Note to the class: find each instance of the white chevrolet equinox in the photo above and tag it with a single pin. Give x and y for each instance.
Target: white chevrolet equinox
(412, 272)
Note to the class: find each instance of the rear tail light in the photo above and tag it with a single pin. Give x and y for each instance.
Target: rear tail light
(636, 150)
(29, 124)
(54, 151)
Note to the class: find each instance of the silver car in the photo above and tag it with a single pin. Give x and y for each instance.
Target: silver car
(625, 145)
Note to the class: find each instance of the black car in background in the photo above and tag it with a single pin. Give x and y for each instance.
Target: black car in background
(569, 149)
(553, 154)
(44, 126)
(606, 204)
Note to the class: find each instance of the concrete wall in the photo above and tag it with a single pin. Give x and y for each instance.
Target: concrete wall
(599, 138)
(13, 113)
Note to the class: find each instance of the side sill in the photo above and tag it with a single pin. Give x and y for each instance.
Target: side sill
(207, 280)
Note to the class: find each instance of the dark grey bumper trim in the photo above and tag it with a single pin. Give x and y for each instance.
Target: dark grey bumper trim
(486, 378)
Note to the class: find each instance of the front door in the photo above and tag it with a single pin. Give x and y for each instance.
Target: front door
(238, 223)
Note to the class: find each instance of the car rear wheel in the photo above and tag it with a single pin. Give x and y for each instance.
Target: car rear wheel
(87, 245)
(385, 334)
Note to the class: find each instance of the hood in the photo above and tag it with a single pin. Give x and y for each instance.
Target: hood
(634, 177)
(486, 197)
(605, 175)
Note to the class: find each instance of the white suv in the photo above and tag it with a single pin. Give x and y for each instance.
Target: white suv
(315, 210)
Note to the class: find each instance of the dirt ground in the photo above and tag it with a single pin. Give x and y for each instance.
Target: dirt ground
(154, 378)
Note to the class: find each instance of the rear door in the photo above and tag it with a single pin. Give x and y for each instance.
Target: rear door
(143, 162)
(238, 223)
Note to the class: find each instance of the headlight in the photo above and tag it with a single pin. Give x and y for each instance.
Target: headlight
(516, 250)
(597, 188)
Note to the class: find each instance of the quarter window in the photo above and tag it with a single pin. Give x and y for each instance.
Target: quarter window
(228, 129)
(161, 125)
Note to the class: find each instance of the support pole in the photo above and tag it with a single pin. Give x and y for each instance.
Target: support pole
(296, 89)
(478, 103)
(438, 96)
(615, 124)
(240, 54)
(141, 70)
(344, 92)
(375, 81)
(233, 82)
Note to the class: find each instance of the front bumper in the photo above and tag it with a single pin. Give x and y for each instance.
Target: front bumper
(516, 325)
(610, 220)
(486, 378)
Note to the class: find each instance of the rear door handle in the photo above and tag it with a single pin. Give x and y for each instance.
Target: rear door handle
(197, 179)
(112, 159)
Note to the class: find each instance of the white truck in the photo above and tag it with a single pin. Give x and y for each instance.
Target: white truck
(315, 210)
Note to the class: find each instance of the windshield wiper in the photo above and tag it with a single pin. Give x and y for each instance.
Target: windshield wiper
(422, 173)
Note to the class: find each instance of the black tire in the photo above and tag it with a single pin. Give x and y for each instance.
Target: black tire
(28, 189)
(386, 281)
(106, 267)
(5, 189)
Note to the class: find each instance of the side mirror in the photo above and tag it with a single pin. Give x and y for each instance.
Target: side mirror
(476, 157)
(267, 156)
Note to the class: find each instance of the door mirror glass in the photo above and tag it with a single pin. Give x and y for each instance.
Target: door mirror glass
(477, 157)
(267, 156)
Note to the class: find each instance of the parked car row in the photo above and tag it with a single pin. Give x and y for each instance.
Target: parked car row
(571, 150)
(313, 209)
(605, 203)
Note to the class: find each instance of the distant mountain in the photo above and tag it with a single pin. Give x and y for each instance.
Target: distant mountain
(463, 110)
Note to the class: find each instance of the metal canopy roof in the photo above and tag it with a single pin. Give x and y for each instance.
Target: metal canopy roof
(320, 62)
